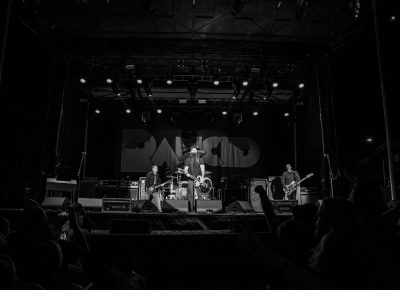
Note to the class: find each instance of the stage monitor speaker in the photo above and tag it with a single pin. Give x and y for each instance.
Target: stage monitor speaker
(239, 206)
(56, 202)
(254, 197)
(94, 204)
(208, 206)
(143, 205)
(178, 205)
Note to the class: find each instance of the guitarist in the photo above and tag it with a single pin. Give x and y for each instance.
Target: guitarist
(288, 177)
(152, 180)
(194, 165)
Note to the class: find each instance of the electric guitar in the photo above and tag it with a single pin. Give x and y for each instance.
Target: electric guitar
(197, 180)
(294, 185)
(152, 189)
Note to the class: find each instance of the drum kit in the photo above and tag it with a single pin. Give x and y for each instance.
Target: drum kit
(177, 188)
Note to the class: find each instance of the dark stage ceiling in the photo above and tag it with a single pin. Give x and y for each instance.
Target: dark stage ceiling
(259, 40)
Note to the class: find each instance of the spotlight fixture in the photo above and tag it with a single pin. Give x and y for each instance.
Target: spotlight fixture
(83, 81)
(97, 111)
(149, 95)
(118, 94)
(182, 101)
(234, 97)
(201, 101)
(369, 140)
(224, 113)
(109, 81)
(255, 113)
(301, 85)
(169, 82)
(275, 84)
(128, 111)
(216, 82)
(245, 83)
(159, 111)
(286, 114)
(139, 81)
(392, 18)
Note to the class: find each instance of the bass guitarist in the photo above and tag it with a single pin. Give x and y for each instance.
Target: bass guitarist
(287, 178)
(151, 182)
(194, 166)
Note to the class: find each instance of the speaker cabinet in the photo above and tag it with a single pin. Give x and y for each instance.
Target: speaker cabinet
(284, 207)
(94, 204)
(116, 204)
(254, 197)
(239, 206)
(143, 206)
(172, 205)
(142, 189)
(275, 188)
(208, 206)
(56, 202)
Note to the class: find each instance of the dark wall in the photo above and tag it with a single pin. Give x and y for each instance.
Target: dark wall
(28, 119)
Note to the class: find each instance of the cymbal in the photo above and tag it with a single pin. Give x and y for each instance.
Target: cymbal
(179, 172)
(182, 182)
(208, 172)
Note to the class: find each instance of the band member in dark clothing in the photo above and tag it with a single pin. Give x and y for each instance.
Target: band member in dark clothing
(152, 180)
(194, 165)
(289, 176)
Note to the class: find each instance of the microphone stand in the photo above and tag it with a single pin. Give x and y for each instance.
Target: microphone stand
(78, 179)
(330, 173)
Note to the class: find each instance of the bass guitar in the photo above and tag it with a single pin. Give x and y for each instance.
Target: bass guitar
(294, 185)
(154, 188)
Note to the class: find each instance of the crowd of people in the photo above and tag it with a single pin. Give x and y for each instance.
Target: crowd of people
(337, 244)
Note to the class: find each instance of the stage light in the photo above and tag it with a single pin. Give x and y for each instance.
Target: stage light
(224, 113)
(275, 84)
(128, 111)
(118, 94)
(369, 140)
(182, 101)
(83, 81)
(159, 111)
(201, 101)
(234, 97)
(301, 85)
(97, 111)
(216, 82)
(245, 83)
(286, 114)
(139, 81)
(109, 81)
(392, 18)
(255, 113)
(149, 95)
(169, 82)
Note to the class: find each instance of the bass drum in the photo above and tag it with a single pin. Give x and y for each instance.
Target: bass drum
(205, 188)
